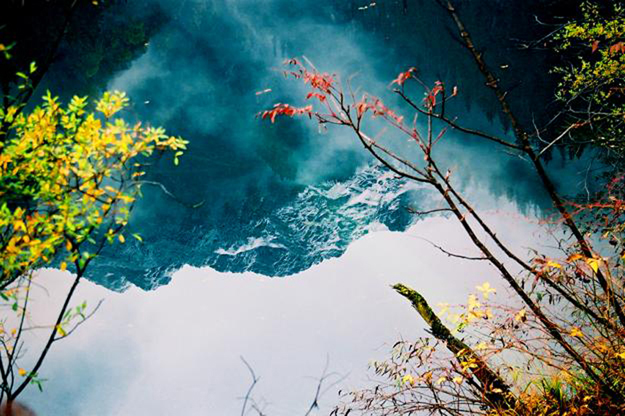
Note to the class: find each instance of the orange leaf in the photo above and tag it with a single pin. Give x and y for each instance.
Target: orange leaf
(595, 46)
(620, 46)
(574, 257)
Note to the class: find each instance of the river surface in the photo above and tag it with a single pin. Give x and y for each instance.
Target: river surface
(281, 241)
(176, 350)
(276, 199)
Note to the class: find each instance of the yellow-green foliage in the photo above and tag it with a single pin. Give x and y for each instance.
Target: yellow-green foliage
(69, 175)
(603, 36)
(593, 83)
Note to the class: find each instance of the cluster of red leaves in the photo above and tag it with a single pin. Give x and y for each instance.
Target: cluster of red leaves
(606, 213)
(430, 99)
(319, 81)
(286, 110)
(403, 77)
(322, 82)
(613, 200)
(378, 108)
(617, 47)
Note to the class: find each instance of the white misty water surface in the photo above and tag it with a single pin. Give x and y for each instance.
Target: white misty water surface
(175, 350)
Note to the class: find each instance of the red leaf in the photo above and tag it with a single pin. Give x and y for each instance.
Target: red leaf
(403, 77)
(620, 46)
(322, 82)
(361, 107)
(286, 110)
(320, 97)
(595, 46)
(430, 99)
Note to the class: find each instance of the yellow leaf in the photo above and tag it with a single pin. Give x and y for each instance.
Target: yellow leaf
(19, 225)
(21, 372)
(554, 264)
(63, 266)
(121, 238)
(441, 380)
(520, 316)
(408, 379)
(575, 332)
(473, 302)
(458, 379)
(60, 330)
(593, 263)
(486, 289)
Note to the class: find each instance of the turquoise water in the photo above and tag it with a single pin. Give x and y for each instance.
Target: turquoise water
(277, 199)
(254, 200)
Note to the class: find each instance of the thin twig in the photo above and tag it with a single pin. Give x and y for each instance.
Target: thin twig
(249, 390)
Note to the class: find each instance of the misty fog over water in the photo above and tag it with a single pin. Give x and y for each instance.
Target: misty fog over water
(278, 241)
(277, 198)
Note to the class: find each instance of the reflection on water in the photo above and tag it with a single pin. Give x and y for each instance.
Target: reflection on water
(264, 189)
(176, 350)
(276, 200)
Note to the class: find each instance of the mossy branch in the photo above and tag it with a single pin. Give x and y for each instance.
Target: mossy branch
(496, 390)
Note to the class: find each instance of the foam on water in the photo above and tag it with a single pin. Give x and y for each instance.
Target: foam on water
(318, 223)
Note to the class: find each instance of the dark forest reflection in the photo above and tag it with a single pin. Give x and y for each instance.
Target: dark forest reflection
(276, 199)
